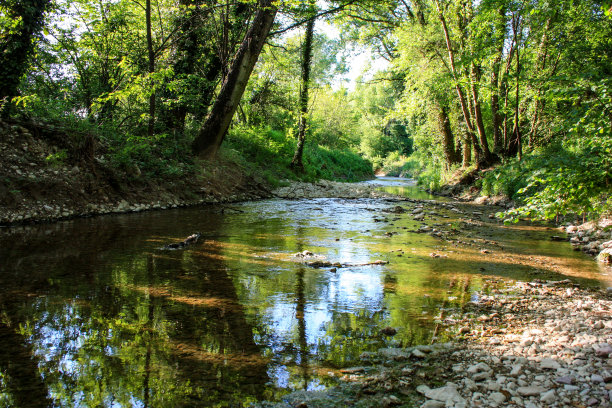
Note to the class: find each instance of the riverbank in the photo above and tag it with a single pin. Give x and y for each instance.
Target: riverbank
(530, 344)
(48, 177)
(593, 237)
(50, 174)
(297, 190)
(491, 334)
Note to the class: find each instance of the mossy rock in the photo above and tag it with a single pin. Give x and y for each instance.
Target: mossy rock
(605, 256)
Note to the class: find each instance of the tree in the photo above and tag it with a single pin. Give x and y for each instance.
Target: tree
(151, 58)
(206, 37)
(296, 162)
(20, 21)
(212, 132)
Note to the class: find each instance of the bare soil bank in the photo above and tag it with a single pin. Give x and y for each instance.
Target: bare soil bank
(48, 174)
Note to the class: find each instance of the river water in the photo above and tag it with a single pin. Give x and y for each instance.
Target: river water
(94, 313)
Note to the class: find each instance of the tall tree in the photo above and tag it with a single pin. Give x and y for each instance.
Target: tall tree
(151, 66)
(206, 37)
(481, 150)
(212, 132)
(21, 21)
(296, 162)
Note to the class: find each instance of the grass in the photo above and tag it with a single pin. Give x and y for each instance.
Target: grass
(268, 153)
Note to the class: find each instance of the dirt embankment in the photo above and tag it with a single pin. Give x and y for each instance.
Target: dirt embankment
(50, 174)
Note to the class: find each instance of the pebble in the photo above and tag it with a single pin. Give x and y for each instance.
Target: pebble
(550, 356)
(530, 391)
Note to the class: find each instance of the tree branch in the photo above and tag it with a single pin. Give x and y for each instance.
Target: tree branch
(314, 17)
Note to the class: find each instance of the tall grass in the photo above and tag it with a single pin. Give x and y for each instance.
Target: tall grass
(268, 152)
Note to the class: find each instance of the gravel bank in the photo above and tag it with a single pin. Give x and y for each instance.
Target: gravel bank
(594, 238)
(536, 344)
(328, 189)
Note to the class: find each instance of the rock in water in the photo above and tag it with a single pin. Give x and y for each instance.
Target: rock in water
(605, 256)
(192, 239)
(389, 331)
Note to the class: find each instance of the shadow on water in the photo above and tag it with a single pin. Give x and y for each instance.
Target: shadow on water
(114, 326)
(94, 314)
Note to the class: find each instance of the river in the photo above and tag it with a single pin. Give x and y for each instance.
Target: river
(94, 313)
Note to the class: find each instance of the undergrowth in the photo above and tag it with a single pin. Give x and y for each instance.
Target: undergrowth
(560, 180)
(268, 153)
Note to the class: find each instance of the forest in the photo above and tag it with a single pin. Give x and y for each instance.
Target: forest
(513, 96)
(305, 203)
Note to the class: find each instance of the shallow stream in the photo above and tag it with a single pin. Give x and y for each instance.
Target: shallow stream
(94, 313)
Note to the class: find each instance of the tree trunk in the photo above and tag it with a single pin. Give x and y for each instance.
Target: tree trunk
(212, 132)
(296, 162)
(475, 79)
(541, 67)
(516, 131)
(516, 142)
(151, 54)
(448, 140)
(474, 139)
(462, 99)
(498, 141)
(505, 91)
(467, 151)
(16, 45)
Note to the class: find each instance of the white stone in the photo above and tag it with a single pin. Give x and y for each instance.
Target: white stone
(602, 349)
(433, 404)
(446, 394)
(493, 386)
(497, 397)
(548, 397)
(478, 368)
(530, 391)
(549, 364)
(516, 370)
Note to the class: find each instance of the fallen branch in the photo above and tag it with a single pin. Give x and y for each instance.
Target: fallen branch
(326, 264)
(192, 239)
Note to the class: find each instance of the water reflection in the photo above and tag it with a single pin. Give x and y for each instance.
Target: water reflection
(94, 314)
(404, 187)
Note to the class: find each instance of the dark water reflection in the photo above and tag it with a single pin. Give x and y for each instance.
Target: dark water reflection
(92, 313)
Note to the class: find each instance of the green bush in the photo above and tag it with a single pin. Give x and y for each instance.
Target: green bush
(162, 155)
(57, 159)
(269, 152)
(321, 162)
(398, 165)
(569, 178)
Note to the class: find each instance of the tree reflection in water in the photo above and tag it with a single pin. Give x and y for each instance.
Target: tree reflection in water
(154, 329)
(94, 314)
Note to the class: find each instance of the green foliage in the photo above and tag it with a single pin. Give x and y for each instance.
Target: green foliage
(432, 177)
(509, 178)
(57, 159)
(556, 182)
(576, 176)
(163, 155)
(20, 23)
(268, 152)
(397, 165)
(270, 149)
(334, 119)
(325, 163)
